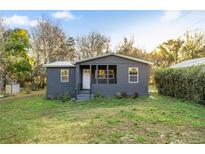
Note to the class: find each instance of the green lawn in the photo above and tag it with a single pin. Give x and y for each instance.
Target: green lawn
(156, 119)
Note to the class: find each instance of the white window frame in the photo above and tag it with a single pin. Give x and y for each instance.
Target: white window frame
(133, 75)
(61, 75)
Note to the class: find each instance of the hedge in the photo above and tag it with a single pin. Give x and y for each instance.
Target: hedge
(187, 83)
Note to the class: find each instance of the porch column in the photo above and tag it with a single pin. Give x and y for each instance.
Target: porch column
(90, 75)
(107, 67)
(77, 78)
(97, 74)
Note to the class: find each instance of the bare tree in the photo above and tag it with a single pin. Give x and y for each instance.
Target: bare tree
(49, 44)
(127, 48)
(93, 44)
(108, 45)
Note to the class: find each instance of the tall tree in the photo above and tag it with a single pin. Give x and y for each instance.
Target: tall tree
(16, 62)
(49, 44)
(170, 52)
(194, 45)
(191, 45)
(91, 45)
(127, 48)
(2, 30)
(67, 49)
(156, 57)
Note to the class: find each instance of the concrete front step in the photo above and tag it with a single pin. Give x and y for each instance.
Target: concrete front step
(84, 92)
(83, 97)
(80, 97)
(83, 100)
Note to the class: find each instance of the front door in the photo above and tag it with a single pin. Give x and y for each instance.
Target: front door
(86, 78)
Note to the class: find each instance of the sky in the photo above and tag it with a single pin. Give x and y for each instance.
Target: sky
(148, 28)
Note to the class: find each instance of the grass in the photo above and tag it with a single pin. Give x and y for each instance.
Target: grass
(21, 94)
(154, 119)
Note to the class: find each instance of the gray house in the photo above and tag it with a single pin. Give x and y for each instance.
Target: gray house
(105, 75)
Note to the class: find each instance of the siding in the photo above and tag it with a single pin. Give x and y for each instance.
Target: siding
(122, 77)
(55, 87)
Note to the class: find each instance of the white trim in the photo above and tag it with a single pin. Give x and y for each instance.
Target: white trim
(133, 75)
(64, 75)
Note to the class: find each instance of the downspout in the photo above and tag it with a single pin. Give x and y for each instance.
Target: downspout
(77, 79)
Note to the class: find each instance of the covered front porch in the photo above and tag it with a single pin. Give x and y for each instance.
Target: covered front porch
(87, 75)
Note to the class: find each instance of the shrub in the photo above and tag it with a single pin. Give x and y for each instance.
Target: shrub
(124, 94)
(118, 95)
(50, 97)
(121, 95)
(135, 95)
(98, 95)
(65, 97)
(28, 90)
(187, 83)
(35, 87)
(27, 87)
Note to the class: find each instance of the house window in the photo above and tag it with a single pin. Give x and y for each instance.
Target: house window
(64, 75)
(133, 73)
(102, 74)
(111, 74)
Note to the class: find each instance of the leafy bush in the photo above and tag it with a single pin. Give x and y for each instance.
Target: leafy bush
(98, 95)
(65, 97)
(50, 97)
(27, 87)
(135, 95)
(124, 94)
(28, 90)
(187, 83)
(35, 87)
(118, 95)
(121, 95)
